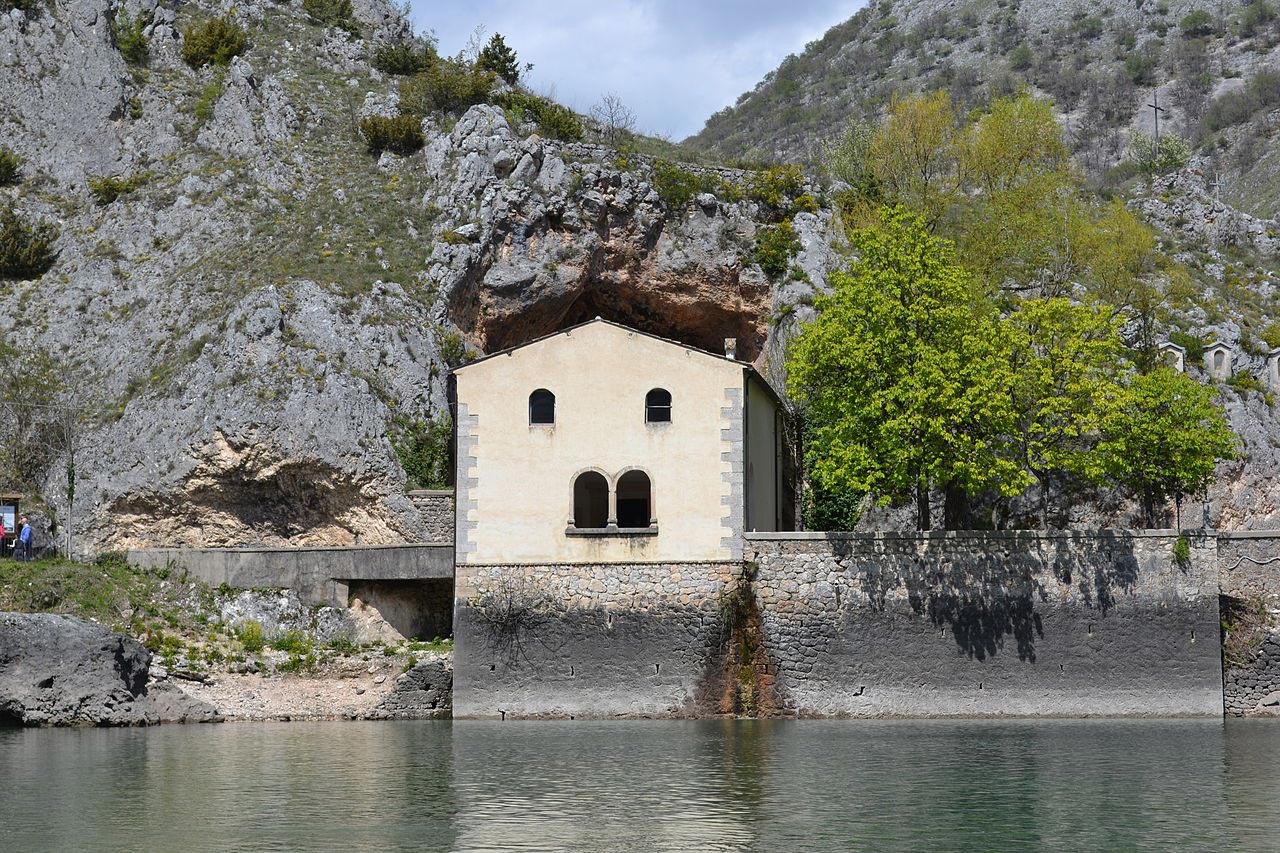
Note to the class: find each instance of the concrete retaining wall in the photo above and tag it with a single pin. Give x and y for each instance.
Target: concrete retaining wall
(637, 640)
(974, 624)
(435, 509)
(320, 575)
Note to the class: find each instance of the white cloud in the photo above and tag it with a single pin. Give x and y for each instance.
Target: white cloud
(673, 63)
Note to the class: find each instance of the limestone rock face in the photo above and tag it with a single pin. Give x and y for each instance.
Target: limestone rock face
(255, 322)
(60, 671)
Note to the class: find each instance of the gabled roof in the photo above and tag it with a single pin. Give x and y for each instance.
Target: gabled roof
(627, 329)
(747, 366)
(1216, 346)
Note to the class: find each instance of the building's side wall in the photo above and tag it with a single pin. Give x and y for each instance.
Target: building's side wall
(764, 462)
(515, 480)
(589, 641)
(990, 624)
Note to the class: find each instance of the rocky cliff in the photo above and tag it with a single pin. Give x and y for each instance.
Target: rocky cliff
(259, 313)
(253, 321)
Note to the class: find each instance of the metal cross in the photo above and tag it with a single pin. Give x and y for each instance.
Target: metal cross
(1156, 109)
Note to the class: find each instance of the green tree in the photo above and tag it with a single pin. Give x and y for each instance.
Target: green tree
(1197, 24)
(903, 378)
(500, 59)
(1164, 438)
(1066, 360)
(1171, 154)
(1001, 187)
(914, 155)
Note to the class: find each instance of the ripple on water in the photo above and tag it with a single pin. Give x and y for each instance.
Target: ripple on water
(647, 786)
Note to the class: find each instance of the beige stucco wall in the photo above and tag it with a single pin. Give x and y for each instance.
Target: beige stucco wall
(518, 477)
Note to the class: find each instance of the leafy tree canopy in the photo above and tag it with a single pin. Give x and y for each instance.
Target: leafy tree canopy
(1164, 437)
(904, 379)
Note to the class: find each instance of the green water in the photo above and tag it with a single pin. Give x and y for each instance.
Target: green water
(641, 786)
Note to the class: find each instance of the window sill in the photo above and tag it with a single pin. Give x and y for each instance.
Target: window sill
(611, 531)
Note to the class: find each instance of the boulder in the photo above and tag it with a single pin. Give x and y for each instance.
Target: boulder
(62, 671)
(424, 692)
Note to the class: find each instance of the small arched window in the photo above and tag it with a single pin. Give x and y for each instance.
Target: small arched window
(635, 501)
(657, 406)
(542, 407)
(590, 500)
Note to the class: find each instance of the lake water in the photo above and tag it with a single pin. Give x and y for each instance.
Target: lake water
(642, 786)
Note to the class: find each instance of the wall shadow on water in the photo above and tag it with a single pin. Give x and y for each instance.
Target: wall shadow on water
(984, 596)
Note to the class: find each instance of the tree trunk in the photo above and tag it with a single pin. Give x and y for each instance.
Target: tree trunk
(923, 520)
(957, 512)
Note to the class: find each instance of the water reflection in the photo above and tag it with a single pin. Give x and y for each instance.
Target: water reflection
(646, 786)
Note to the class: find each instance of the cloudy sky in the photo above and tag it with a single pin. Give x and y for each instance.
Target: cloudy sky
(673, 63)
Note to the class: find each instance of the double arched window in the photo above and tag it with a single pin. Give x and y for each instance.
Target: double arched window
(542, 407)
(657, 406)
(627, 506)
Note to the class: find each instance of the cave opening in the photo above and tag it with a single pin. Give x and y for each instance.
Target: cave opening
(700, 311)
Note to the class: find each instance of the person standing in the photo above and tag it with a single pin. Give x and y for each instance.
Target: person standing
(24, 540)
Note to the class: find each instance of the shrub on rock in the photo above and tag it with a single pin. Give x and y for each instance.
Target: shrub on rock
(215, 41)
(399, 134)
(26, 250)
(107, 189)
(10, 168)
(403, 59)
(450, 85)
(553, 120)
(333, 13)
(130, 40)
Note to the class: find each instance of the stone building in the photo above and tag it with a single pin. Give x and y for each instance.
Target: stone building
(1217, 361)
(601, 444)
(1175, 356)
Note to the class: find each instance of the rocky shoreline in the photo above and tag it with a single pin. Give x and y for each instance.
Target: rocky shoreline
(64, 671)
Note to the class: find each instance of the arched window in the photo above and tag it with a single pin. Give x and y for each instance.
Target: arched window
(590, 500)
(657, 406)
(635, 504)
(542, 407)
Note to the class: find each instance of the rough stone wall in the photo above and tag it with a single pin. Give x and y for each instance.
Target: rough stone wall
(1249, 563)
(435, 512)
(989, 623)
(638, 640)
(1254, 689)
(1249, 572)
